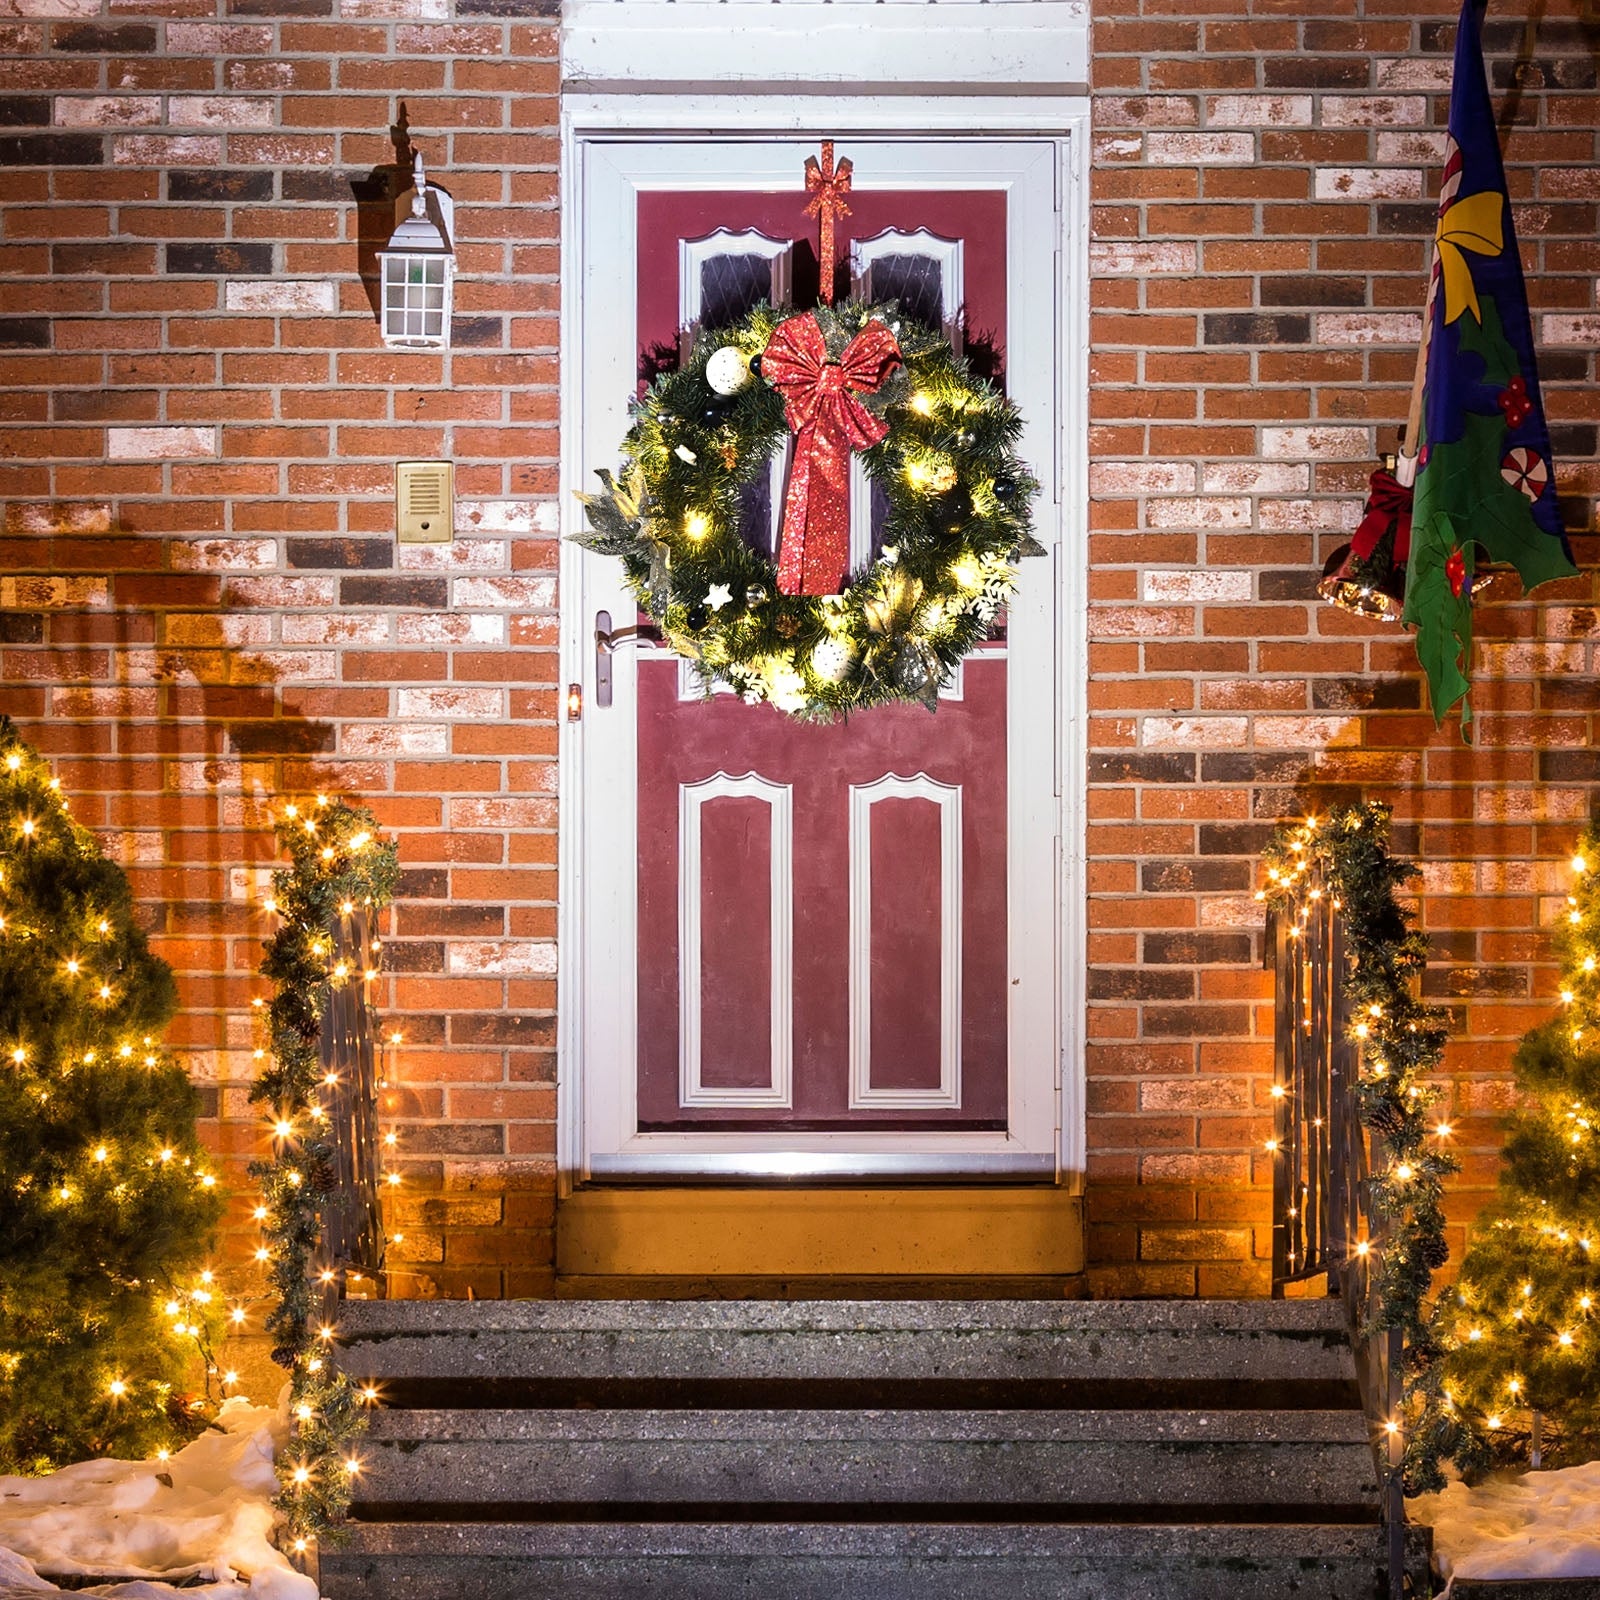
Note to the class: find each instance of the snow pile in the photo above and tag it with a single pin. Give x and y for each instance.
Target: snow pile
(1534, 1525)
(204, 1514)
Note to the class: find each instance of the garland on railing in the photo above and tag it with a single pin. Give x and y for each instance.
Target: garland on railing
(340, 866)
(1401, 1041)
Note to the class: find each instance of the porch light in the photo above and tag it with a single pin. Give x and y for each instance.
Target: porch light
(417, 270)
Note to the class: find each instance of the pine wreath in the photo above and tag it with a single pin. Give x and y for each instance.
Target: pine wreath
(958, 519)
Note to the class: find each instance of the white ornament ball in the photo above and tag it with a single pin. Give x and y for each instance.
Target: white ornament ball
(728, 370)
(832, 659)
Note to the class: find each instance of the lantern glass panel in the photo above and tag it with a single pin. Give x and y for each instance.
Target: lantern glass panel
(414, 297)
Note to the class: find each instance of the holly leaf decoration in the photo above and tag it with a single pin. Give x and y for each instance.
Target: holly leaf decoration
(1487, 341)
(1464, 479)
(1443, 617)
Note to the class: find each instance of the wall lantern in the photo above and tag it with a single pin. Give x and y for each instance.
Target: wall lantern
(418, 269)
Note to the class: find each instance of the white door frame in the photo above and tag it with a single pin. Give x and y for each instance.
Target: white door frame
(1055, 130)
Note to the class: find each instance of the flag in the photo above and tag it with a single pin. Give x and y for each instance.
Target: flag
(1484, 473)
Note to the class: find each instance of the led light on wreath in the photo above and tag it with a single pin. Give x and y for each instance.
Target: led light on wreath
(728, 370)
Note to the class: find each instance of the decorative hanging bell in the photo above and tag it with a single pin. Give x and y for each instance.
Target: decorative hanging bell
(1370, 586)
(1368, 575)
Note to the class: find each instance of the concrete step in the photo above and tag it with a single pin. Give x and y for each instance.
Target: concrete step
(667, 1561)
(1225, 1465)
(1072, 1354)
(860, 1450)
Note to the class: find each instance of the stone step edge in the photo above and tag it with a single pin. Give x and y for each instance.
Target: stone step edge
(453, 1389)
(558, 1541)
(1525, 1588)
(379, 1319)
(876, 1425)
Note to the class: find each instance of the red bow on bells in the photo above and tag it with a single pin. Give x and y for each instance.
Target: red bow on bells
(1388, 506)
(829, 423)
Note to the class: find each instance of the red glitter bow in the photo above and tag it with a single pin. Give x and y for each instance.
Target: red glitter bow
(1388, 505)
(829, 423)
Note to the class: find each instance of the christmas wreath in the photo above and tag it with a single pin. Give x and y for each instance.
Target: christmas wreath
(802, 632)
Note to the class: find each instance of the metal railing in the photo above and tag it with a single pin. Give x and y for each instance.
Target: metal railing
(1322, 1163)
(352, 1243)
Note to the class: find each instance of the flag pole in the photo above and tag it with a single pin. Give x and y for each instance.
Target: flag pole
(1405, 470)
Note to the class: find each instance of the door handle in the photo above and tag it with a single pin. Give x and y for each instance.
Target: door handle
(607, 641)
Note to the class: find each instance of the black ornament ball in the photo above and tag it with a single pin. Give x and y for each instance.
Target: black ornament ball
(1005, 491)
(699, 616)
(755, 365)
(955, 509)
(711, 416)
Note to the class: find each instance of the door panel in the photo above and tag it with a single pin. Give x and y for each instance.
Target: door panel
(877, 1013)
(830, 948)
(858, 894)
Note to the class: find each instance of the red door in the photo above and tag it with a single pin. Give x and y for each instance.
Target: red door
(823, 937)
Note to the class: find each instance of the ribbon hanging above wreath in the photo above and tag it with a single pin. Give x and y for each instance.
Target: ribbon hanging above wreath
(820, 406)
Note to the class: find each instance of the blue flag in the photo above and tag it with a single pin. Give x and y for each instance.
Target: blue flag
(1485, 480)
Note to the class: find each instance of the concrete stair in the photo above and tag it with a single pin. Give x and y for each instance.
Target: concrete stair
(837, 1449)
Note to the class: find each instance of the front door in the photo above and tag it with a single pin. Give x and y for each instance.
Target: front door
(809, 950)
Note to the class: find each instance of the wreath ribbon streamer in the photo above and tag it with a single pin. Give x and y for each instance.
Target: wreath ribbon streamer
(829, 422)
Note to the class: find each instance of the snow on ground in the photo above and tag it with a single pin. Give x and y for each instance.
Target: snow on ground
(204, 1514)
(1532, 1525)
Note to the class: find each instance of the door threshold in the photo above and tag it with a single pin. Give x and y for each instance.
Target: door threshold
(817, 1235)
(1072, 1286)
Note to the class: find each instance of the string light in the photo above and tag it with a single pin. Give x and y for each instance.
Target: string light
(1339, 862)
(337, 862)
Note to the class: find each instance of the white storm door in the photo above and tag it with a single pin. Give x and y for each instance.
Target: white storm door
(718, 832)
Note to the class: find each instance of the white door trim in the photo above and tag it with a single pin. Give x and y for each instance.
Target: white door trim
(658, 46)
(589, 1020)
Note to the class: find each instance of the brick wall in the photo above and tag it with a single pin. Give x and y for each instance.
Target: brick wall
(1265, 180)
(201, 604)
